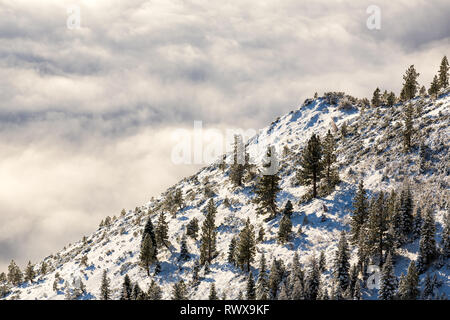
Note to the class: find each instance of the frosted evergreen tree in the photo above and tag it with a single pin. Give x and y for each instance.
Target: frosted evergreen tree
(213, 292)
(15, 275)
(406, 210)
(192, 228)
(353, 279)
(267, 186)
(409, 285)
(341, 263)
(444, 73)
(311, 164)
(246, 247)
(262, 290)
(179, 291)
(285, 229)
(209, 235)
(44, 268)
(29, 273)
(357, 292)
(428, 288)
(391, 99)
(427, 244)
(360, 212)
(126, 289)
(261, 234)
(376, 99)
(275, 278)
(284, 295)
(434, 87)
(408, 128)
(388, 281)
(195, 273)
(251, 293)
(377, 227)
(105, 291)
(417, 225)
(410, 85)
(312, 284)
(178, 199)
(148, 253)
(137, 293)
(154, 292)
(329, 159)
(184, 252)
(232, 251)
(162, 230)
(445, 243)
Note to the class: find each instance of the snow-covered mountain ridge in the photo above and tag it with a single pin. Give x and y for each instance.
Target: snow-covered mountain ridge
(371, 150)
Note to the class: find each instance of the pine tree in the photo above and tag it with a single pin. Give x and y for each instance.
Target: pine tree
(284, 295)
(179, 291)
(44, 268)
(423, 91)
(261, 234)
(285, 229)
(15, 276)
(376, 100)
(126, 289)
(154, 292)
(388, 281)
(417, 225)
(377, 228)
(428, 288)
(251, 293)
(105, 291)
(209, 234)
(161, 231)
(408, 130)
(137, 293)
(232, 251)
(178, 199)
(341, 263)
(267, 187)
(444, 73)
(408, 287)
(329, 159)
(262, 290)
(427, 244)
(311, 164)
(357, 292)
(237, 168)
(312, 284)
(360, 212)
(29, 273)
(184, 252)
(246, 246)
(322, 261)
(406, 210)
(391, 99)
(445, 244)
(353, 278)
(410, 86)
(275, 278)
(147, 256)
(192, 228)
(434, 87)
(195, 273)
(213, 292)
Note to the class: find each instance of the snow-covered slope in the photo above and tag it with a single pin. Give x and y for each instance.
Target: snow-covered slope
(371, 151)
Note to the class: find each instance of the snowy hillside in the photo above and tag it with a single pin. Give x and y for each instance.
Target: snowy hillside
(371, 150)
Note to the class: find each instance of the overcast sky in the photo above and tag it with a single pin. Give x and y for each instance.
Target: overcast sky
(87, 114)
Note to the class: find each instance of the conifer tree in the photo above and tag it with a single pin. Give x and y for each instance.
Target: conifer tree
(322, 261)
(105, 291)
(444, 73)
(213, 292)
(261, 234)
(357, 292)
(126, 289)
(44, 268)
(251, 293)
(445, 244)
(353, 278)
(262, 290)
(311, 164)
(410, 85)
(161, 231)
(406, 210)
(179, 291)
(341, 263)
(427, 244)
(434, 87)
(184, 252)
(29, 273)
(285, 229)
(149, 230)
(232, 251)
(388, 281)
(246, 246)
(428, 288)
(137, 293)
(284, 295)
(192, 228)
(154, 292)
(15, 275)
(147, 256)
(209, 234)
(329, 159)
(376, 100)
(195, 273)
(360, 212)
(417, 225)
(178, 199)
(237, 168)
(312, 284)
(423, 91)
(378, 227)
(391, 99)
(408, 130)
(409, 285)
(267, 187)
(275, 278)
